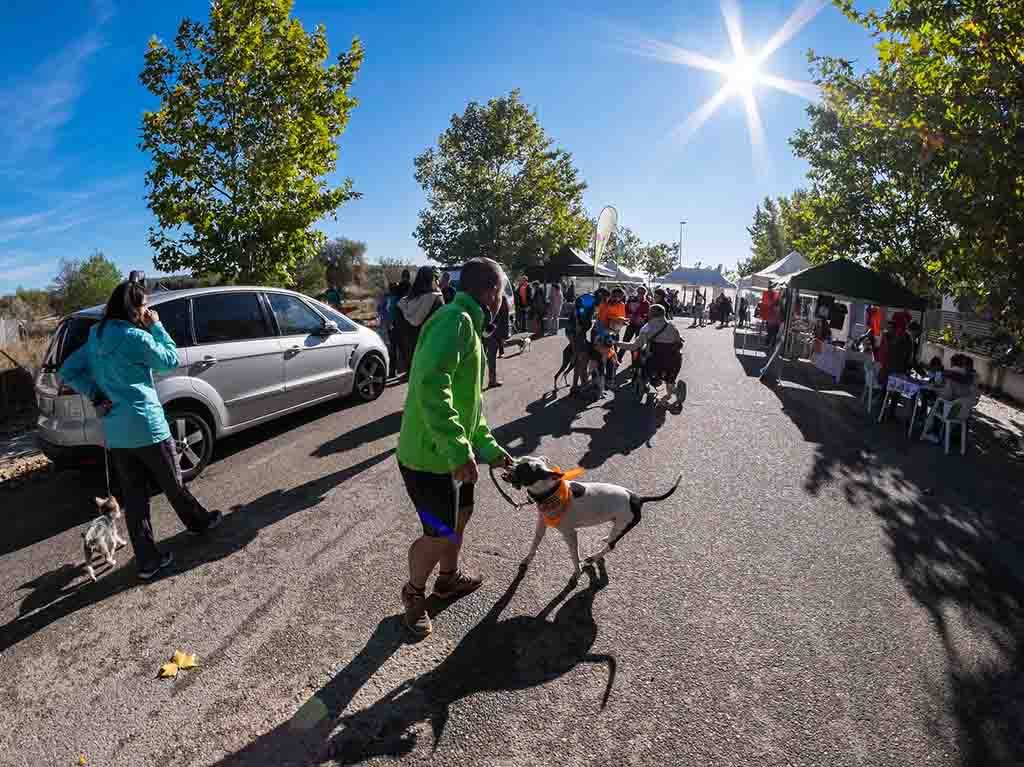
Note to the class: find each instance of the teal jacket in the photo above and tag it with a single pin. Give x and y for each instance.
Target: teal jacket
(443, 423)
(119, 365)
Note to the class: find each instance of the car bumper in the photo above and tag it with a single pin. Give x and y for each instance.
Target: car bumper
(71, 456)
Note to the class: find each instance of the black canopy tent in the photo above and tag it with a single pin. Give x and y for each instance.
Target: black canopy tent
(567, 262)
(847, 281)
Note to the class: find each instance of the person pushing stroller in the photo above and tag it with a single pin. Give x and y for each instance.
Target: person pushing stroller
(658, 349)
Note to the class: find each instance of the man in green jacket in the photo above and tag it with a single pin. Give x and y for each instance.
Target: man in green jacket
(442, 428)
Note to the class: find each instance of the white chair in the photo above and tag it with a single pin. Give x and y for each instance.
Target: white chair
(871, 384)
(951, 413)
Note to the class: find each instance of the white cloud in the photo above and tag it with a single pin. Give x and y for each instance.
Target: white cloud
(37, 107)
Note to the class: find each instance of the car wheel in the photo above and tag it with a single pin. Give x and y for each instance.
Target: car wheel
(193, 439)
(370, 378)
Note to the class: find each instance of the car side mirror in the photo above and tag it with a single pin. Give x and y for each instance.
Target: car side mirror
(330, 328)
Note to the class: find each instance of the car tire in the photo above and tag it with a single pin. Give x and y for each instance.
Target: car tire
(193, 438)
(370, 378)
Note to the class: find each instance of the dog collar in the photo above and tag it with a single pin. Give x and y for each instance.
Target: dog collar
(554, 503)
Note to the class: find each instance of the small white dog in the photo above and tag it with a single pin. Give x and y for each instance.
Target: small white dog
(568, 506)
(101, 537)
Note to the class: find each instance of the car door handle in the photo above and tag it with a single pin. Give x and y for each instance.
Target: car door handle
(209, 360)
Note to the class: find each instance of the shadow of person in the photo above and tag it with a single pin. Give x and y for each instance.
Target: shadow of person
(362, 435)
(628, 426)
(302, 737)
(546, 417)
(512, 654)
(51, 598)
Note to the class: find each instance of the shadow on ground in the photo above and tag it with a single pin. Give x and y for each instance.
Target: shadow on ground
(64, 590)
(511, 654)
(628, 425)
(955, 529)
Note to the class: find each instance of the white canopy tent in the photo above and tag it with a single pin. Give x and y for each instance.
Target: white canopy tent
(621, 274)
(760, 281)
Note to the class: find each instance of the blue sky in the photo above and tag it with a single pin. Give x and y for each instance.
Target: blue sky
(71, 175)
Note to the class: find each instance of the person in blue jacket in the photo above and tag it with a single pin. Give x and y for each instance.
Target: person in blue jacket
(114, 370)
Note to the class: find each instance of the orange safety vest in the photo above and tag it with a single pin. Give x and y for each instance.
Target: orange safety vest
(554, 506)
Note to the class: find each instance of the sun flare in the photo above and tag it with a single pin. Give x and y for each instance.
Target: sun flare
(743, 74)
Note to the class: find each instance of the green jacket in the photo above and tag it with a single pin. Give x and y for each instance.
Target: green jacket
(443, 423)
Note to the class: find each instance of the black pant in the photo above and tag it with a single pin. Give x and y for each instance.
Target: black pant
(773, 334)
(136, 468)
(491, 348)
(632, 331)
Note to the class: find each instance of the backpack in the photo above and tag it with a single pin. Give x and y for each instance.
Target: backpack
(583, 311)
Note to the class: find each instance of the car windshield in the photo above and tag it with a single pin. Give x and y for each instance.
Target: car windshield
(69, 338)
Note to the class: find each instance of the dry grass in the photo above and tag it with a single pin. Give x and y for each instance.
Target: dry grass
(29, 353)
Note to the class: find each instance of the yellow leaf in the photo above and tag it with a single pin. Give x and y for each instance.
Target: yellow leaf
(168, 670)
(82, 761)
(185, 661)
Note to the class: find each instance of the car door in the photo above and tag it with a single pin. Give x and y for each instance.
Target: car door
(237, 355)
(316, 359)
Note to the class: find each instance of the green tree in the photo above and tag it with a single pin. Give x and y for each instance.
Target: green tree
(345, 261)
(244, 135)
(497, 187)
(659, 258)
(625, 248)
(872, 198)
(309, 275)
(768, 240)
(949, 81)
(80, 284)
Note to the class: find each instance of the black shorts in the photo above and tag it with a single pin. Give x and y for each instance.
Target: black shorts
(434, 497)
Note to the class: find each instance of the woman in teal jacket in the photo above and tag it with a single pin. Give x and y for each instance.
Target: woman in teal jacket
(114, 370)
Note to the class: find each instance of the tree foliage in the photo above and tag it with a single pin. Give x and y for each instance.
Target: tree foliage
(780, 226)
(659, 258)
(624, 248)
(80, 284)
(940, 118)
(242, 139)
(497, 187)
(345, 261)
(309, 275)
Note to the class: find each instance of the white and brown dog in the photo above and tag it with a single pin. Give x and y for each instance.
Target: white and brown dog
(567, 506)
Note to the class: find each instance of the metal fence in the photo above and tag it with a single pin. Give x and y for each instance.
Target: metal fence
(11, 331)
(970, 332)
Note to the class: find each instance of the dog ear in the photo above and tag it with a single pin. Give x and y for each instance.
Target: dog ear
(100, 502)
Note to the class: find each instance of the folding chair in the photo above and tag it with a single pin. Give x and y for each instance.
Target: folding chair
(871, 385)
(950, 414)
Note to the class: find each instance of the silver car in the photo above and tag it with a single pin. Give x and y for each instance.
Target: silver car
(246, 356)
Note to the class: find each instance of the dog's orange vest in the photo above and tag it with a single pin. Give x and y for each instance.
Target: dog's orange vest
(553, 508)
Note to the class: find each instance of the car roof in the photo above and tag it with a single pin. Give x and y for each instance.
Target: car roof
(163, 296)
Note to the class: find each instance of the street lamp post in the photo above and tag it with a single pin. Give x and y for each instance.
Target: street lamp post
(681, 242)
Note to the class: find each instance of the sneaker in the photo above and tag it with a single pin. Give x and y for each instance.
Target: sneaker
(456, 585)
(216, 517)
(416, 618)
(495, 383)
(149, 573)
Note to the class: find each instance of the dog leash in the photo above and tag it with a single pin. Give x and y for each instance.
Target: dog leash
(508, 499)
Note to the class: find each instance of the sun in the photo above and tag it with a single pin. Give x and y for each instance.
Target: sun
(743, 74)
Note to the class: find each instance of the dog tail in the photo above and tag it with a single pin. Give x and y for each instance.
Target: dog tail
(662, 497)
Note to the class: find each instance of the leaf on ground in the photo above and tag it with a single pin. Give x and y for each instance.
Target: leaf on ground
(168, 671)
(184, 660)
(82, 761)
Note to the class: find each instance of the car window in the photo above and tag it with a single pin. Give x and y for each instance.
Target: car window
(345, 325)
(294, 317)
(69, 338)
(175, 318)
(224, 317)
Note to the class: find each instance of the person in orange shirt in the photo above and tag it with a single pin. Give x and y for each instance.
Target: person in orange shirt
(613, 310)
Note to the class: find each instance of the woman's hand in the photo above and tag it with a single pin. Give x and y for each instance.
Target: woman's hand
(150, 318)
